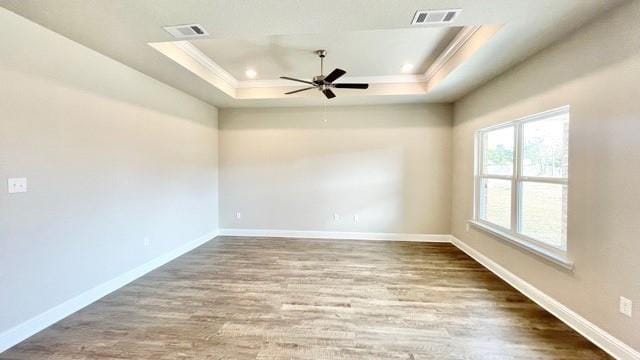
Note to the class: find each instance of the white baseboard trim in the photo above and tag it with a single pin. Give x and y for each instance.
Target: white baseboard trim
(34, 325)
(343, 235)
(596, 335)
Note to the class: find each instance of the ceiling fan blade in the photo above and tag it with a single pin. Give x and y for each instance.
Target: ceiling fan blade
(351, 86)
(298, 80)
(299, 90)
(328, 93)
(334, 75)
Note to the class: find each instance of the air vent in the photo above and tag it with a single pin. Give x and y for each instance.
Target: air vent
(187, 31)
(435, 17)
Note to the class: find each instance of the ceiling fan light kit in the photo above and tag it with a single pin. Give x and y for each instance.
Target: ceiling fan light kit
(325, 83)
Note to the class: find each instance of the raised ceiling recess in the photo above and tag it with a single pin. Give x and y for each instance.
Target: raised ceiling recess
(376, 58)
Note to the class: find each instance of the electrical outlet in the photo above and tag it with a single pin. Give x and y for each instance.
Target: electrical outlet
(468, 227)
(356, 218)
(238, 215)
(146, 242)
(626, 306)
(336, 217)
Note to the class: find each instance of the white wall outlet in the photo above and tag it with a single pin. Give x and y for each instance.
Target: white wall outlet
(146, 242)
(336, 217)
(238, 215)
(17, 185)
(356, 218)
(468, 227)
(626, 306)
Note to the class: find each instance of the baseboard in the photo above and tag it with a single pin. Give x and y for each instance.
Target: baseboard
(596, 335)
(343, 235)
(30, 327)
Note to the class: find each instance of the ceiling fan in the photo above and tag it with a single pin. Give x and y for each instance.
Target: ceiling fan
(325, 83)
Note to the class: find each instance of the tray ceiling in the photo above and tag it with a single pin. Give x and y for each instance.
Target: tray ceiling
(368, 38)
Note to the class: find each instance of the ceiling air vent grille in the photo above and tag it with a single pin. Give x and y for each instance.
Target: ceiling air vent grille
(187, 31)
(434, 17)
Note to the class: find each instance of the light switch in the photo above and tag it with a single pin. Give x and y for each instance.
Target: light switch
(17, 185)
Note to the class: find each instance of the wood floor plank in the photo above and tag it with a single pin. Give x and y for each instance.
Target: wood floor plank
(258, 298)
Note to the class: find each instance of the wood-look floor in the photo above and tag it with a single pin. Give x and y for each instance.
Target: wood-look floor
(252, 298)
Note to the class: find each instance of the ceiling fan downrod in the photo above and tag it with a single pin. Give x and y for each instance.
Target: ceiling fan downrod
(321, 54)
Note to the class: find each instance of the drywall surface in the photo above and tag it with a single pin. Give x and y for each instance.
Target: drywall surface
(111, 157)
(597, 72)
(294, 168)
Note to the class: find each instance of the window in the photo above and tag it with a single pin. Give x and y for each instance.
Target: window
(521, 180)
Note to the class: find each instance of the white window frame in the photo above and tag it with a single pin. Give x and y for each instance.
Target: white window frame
(557, 255)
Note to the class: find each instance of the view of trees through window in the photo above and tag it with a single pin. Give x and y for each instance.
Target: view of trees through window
(545, 148)
(541, 187)
(498, 156)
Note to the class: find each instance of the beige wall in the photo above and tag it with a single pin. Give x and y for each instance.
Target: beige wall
(288, 169)
(111, 156)
(596, 72)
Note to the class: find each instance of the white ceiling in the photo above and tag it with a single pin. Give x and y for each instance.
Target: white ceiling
(271, 34)
(360, 53)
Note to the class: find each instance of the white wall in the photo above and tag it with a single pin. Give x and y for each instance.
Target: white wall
(288, 169)
(597, 72)
(111, 156)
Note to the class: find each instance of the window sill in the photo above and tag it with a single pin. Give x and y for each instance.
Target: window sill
(546, 254)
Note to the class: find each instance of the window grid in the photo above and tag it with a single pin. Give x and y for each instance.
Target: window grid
(517, 179)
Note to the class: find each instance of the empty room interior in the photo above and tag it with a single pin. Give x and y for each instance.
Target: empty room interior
(306, 179)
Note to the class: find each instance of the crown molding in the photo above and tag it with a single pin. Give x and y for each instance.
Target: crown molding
(454, 47)
(207, 62)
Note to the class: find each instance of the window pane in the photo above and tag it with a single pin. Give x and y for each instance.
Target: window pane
(495, 202)
(545, 147)
(544, 212)
(497, 151)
